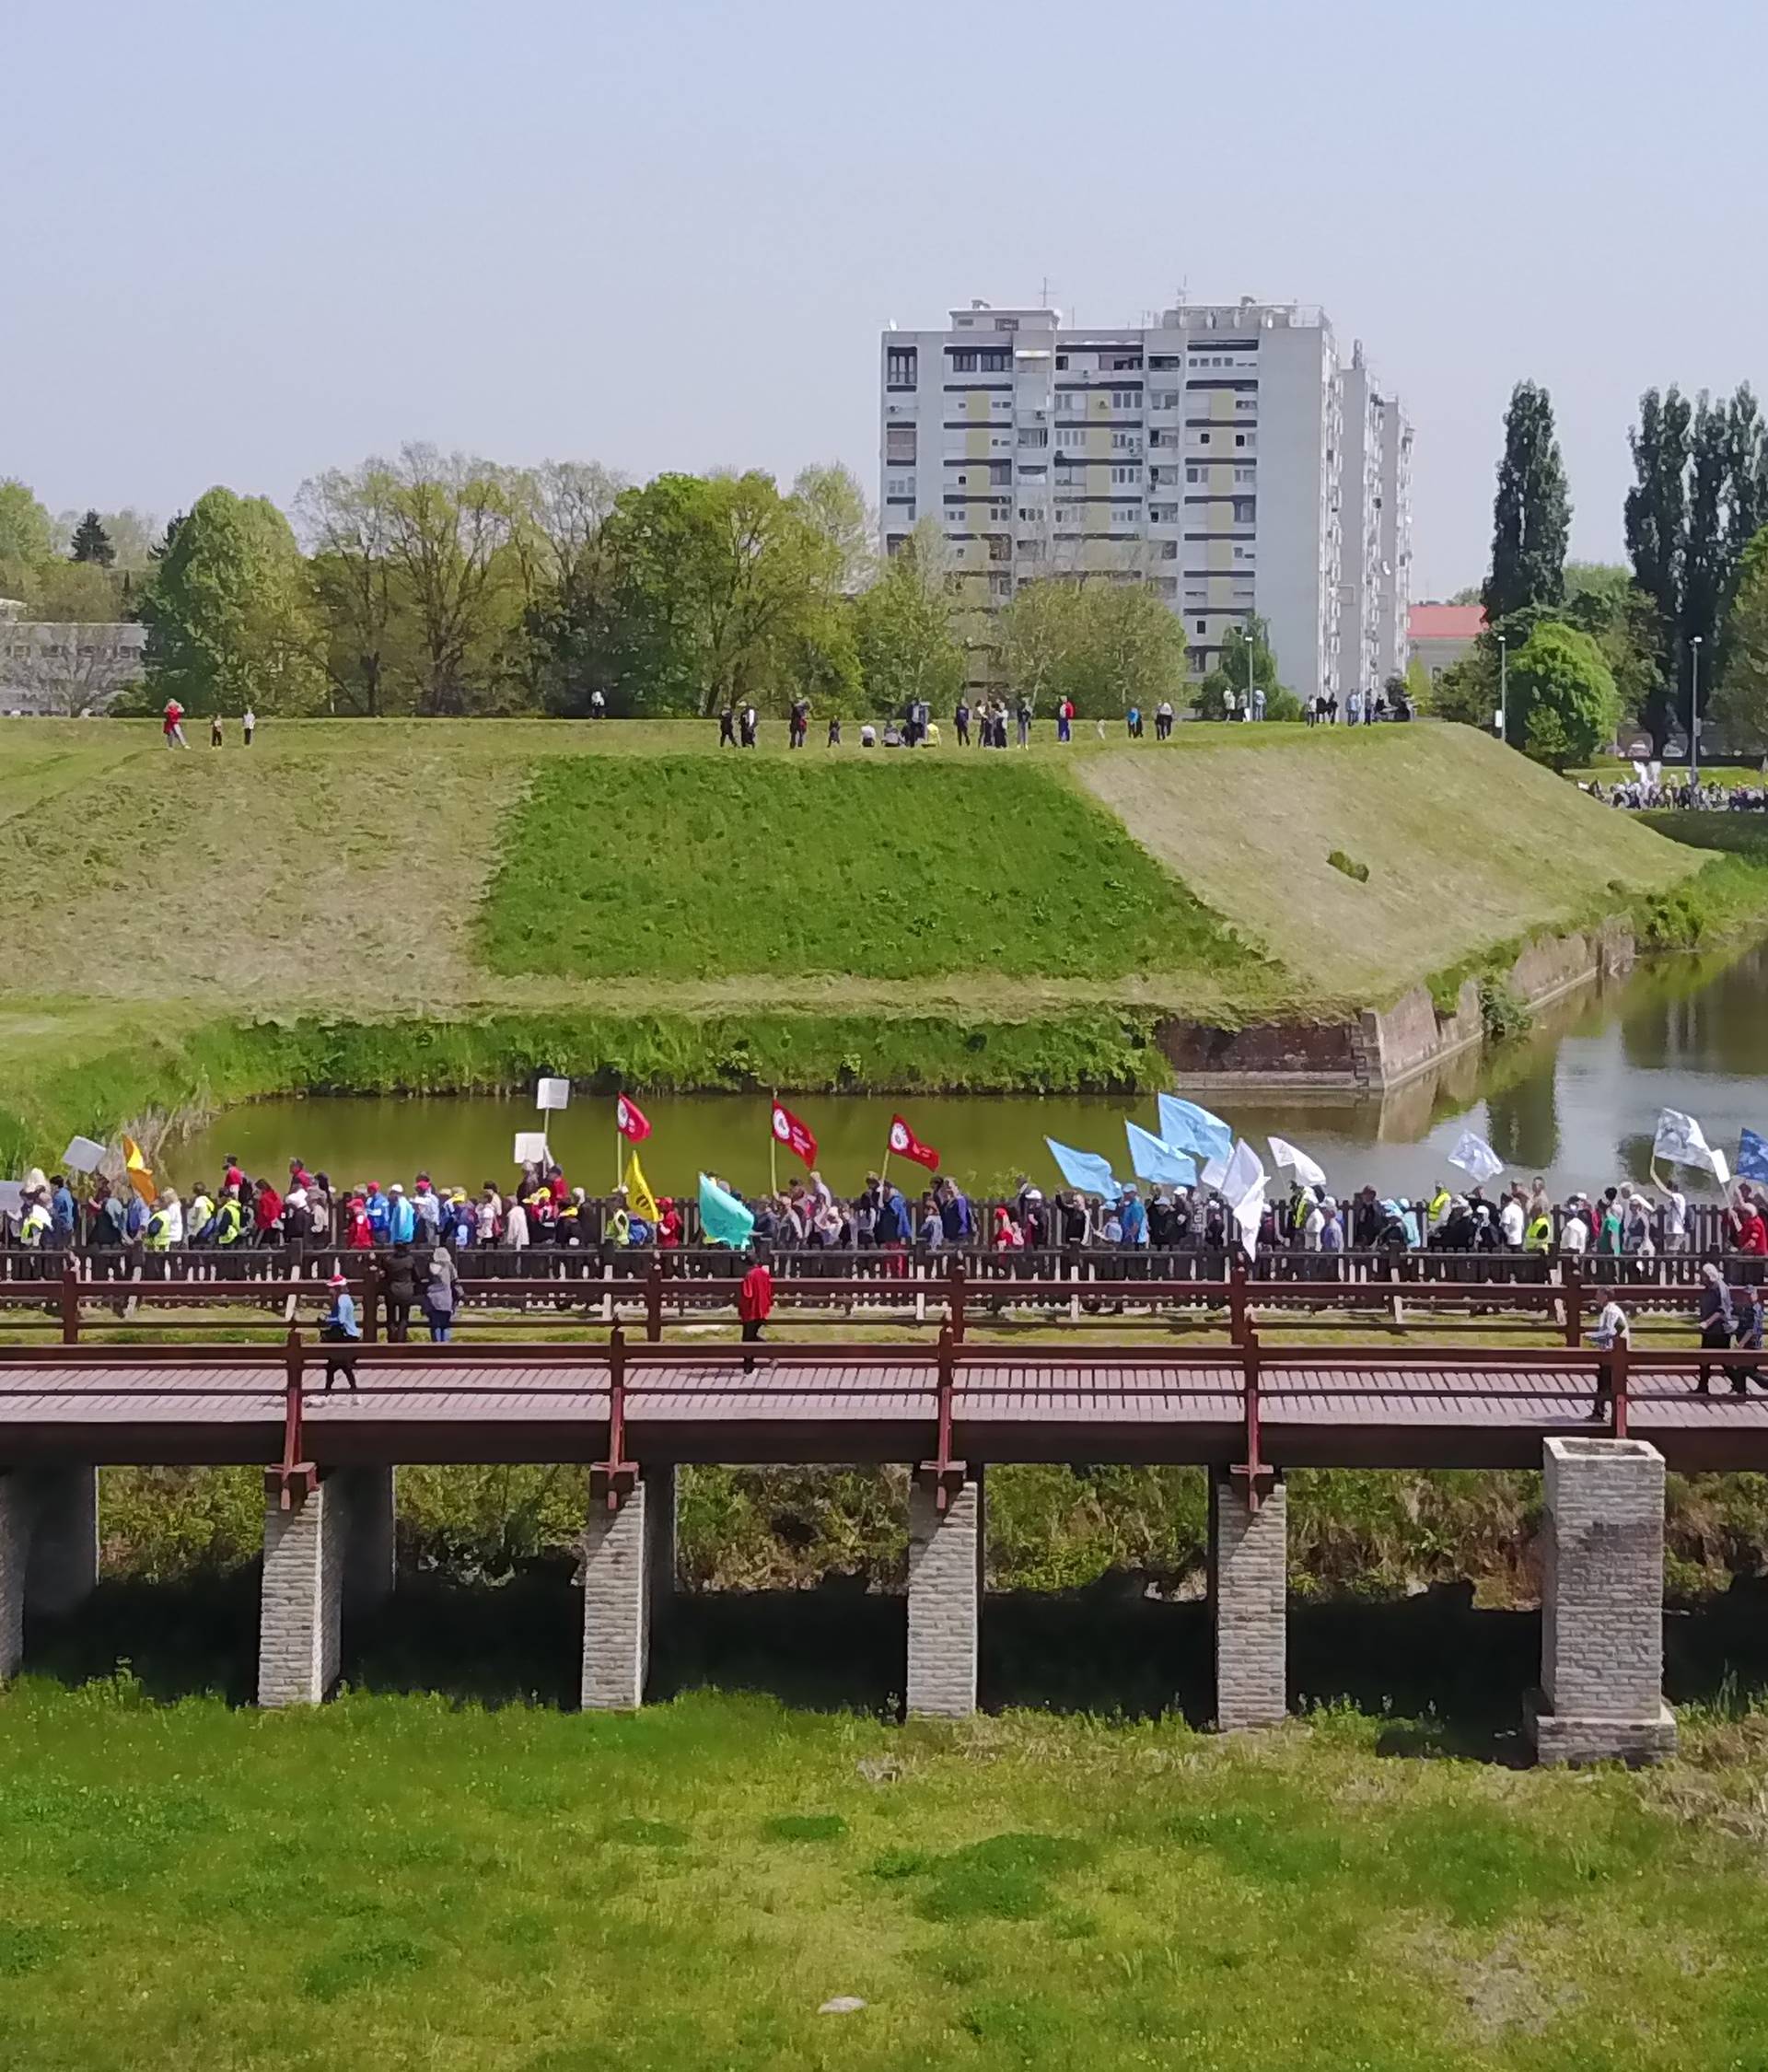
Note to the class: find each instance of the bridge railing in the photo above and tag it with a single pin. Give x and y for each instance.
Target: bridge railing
(1538, 1295)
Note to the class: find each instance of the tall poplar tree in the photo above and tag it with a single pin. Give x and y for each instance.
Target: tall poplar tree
(1656, 531)
(1531, 513)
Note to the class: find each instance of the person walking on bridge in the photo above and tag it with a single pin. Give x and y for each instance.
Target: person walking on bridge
(1612, 1330)
(339, 1328)
(755, 1305)
(1718, 1323)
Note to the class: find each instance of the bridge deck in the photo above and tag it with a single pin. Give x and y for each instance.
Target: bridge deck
(1315, 1409)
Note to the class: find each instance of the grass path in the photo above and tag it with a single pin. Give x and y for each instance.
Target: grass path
(403, 1883)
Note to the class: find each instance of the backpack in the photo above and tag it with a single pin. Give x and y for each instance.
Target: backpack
(134, 1217)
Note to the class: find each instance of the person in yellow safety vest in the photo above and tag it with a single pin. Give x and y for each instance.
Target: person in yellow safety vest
(157, 1236)
(33, 1223)
(229, 1220)
(1538, 1237)
(1439, 1204)
(620, 1225)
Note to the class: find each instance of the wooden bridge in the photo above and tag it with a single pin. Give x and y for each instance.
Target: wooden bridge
(1603, 1425)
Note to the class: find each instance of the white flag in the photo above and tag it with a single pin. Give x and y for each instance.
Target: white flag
(1640, 771)
(1681, 1142)
(1476, 1155)
(1248, 1211)
(1243, 1176)
(1215, 1172)
(1654, 771)
(1283, 1153)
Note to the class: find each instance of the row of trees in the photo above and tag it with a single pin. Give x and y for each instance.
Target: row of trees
(436, 583)
(1592, 646)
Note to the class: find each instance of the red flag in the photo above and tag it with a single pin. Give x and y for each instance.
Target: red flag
(905, 1144)
(793, 1134)
(630, 1120)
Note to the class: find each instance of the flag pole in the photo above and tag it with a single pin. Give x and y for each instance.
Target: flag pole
(616, 1144)
(772, 1146)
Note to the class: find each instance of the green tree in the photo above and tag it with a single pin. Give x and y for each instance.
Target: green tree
(568, 583)
(27, 537)
(228, 611)
(449, 523)
(831, 497)
(1740, 703)
(1563, 704)
(1746, 473)
(1035, 634)
(1247, 659)
(347, 518)
(74, 591)
(1531, 513)
(1655, 515)
(91, 542)
(1130, 652)
(722, 587)
(903, 626)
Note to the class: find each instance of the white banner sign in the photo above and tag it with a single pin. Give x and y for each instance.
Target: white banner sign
(552, 1094)
(530, 1147)
(83, 1156)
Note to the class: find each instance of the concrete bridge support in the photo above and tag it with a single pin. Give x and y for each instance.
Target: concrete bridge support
(48, 1548)
(1601, 1694)
(1248, 1590)
(628, 1577)
(946, 1549)
(333, 1550)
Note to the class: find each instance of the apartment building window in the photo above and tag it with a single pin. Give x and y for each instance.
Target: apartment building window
(1248, 440)
(1202, 439)
(1031, 514)
(899, 446)
(900, 366)
(1203, 626)
(1249, 474)
(1000, 512)
(1199, 661)
(1000, 585)
(1168, 549)
(1030, 550)
(1166, 363)
(1069, 434)
(895, 541)
(1127, 399)
(1033, 435)
(1244, 507)
(1126, 475)
(1000, 471)
(1167, 585)
(963, 363)
(1127, 442)
(1194, 476)
(1164, 513)
(1126, 363)
(1061, 362)
(1164, 398)
(1069, 399)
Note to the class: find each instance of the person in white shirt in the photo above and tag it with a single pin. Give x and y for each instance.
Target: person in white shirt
(1511, 1221)
(1675, 1214)
(247, 723)
(1574, 1232)
(1312, 1224)
(516, 1227)
(1611, 1329)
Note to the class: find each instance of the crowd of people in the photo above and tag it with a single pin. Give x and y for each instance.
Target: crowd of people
(1655, 795)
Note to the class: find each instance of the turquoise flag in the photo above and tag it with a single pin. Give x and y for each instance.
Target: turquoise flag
(1083, 1171)
(723, 1218)
(1152, 1159)
(1187, 1127)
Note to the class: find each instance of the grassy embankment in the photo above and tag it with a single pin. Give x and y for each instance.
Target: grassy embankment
(360, 907)
(404, 1883)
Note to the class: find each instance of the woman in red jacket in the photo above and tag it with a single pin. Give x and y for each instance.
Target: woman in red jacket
(755, 1305)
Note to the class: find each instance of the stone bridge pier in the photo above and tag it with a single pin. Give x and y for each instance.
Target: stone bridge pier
(328, 1553)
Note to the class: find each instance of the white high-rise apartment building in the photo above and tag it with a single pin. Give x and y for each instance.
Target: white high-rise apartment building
(1205, 454)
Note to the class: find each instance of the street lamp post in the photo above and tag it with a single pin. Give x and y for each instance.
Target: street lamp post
(1694, 712)
(1504, 688)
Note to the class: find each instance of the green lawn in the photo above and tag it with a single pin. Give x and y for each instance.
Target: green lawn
(401, 1882)
(910, 869)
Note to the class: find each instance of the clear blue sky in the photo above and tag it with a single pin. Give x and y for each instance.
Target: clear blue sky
(248, 241)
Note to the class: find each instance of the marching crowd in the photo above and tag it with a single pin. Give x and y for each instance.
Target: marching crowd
(1646, 795)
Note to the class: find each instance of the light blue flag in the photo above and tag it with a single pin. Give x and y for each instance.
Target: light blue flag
(723, 1218)
(1083, 1171)
(1186, 1127)
(1752, 1156)
(1152, 1159)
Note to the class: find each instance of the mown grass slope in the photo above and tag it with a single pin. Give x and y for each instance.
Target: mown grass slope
(912, 866)
(401, 1882)
(1468, 846)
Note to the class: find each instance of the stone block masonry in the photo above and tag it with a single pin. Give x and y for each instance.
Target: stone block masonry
(1602, 1606)
(300, 1621)
(1248, 1589)
(48, 1548)
(628, 1571)
(946, 1549)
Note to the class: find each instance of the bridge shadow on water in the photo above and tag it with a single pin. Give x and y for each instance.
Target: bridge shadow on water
(1447, 1677)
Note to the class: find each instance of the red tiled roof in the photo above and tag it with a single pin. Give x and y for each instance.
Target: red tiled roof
(1447, 621)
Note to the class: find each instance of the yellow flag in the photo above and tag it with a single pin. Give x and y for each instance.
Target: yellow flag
(639, 1198)
(140, 1176)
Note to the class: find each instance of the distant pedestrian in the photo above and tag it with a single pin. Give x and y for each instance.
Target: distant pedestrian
(340, 1328)
(755, 1305)
(1718, 1323)
(961, 720)
(1066, 720)
(727, 728)
(598, 705)
(1611, 1331)
(172, 725)
(247, 724)
(1163, 719)
(834, 731)
(438, 1298)
(214, 731)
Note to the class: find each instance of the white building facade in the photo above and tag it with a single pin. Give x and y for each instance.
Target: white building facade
(1205, 454)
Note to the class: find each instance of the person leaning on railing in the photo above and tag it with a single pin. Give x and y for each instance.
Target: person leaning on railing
(1611, 1329)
